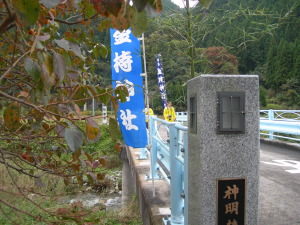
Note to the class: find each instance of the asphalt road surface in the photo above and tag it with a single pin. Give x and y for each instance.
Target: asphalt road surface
(279, 186)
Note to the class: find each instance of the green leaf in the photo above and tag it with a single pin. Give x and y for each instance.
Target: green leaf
(105, 96)
(27, 11)
(90, 179)
(48, 62)
(100, 50)
(96, 51)
(50, 4)
(12, 116)
(32, 68)
(138, 22)
(89, 11)
(104, 51)
(67, 58)
(81, 93)
(113, 128)
(205, 3)
(47, 78)
(92, 130)
(103, 25)
(59, 66)
(63, 44)
(73, 137)
(121, 93)
(140, 4)
(41, 57)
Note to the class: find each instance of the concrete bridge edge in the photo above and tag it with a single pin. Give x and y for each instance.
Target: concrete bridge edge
(134, 172)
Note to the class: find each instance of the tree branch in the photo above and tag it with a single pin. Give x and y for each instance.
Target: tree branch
(7, 216)
(7, 8)
(15, 63)
(6, 24)
(72, 23)
(19, 170)
(21, 211)
(20, 191)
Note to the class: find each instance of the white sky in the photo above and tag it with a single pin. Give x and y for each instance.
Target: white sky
(181, 3)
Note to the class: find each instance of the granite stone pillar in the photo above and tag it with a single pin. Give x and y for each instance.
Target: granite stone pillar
(215, 157)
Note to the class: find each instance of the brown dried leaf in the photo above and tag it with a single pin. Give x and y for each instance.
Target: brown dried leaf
(100, 176)
(12, 116)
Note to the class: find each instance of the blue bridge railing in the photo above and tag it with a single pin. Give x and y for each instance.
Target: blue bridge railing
(169, 149)
(275, 124)
(283, 124)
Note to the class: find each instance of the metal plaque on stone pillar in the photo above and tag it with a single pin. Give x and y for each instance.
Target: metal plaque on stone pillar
(231, 196)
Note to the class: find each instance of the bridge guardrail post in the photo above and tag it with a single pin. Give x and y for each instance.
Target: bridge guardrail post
(271, 117)
(176, 172)
(186, 177)
(153, 151)
(143, 154)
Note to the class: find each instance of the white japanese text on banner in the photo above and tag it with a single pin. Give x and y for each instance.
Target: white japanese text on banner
(161, 81)
(126, 70)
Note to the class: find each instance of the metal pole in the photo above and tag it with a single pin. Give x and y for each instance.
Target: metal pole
(147, 105)
(176, 172)
(271, 117)
(146, 83)
(186, 177)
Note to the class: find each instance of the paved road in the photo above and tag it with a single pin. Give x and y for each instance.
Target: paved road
(279, 186)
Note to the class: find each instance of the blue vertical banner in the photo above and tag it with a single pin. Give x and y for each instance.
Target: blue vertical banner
(126, 66)
(161, 81)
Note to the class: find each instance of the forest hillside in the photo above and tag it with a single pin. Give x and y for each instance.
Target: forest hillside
(232, 37)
